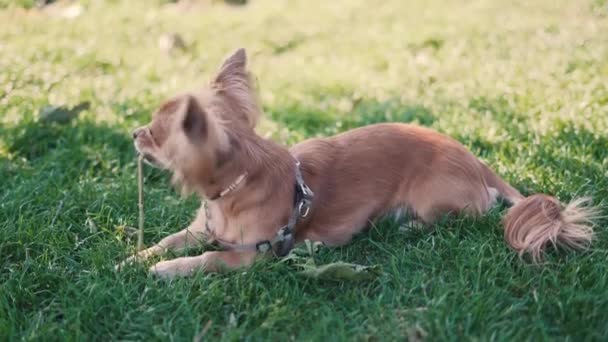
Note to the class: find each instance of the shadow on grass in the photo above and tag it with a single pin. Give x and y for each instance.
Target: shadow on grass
(33, 140)
(80, 148)
(313, 121)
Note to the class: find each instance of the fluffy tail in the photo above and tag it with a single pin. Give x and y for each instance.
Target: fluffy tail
(536, 222)
(540, 220)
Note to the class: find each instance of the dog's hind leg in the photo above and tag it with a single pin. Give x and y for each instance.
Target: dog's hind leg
(493, 197)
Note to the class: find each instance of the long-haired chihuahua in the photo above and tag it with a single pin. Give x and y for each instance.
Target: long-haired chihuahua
(260, 198)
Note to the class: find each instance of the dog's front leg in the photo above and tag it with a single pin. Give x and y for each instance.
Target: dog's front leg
(176, 242)
(188, 237)
(208, 261)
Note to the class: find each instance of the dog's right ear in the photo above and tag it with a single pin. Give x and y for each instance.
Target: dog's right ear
(194, 119)
(233, 71)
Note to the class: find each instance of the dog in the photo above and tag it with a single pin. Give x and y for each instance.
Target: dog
(260, 198)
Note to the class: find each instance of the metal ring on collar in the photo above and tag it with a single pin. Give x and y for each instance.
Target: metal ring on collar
(304, 209)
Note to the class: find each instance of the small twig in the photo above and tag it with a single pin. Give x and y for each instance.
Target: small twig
(201, 334)
(140, 204)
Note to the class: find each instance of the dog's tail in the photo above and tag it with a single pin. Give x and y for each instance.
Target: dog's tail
(536, 222)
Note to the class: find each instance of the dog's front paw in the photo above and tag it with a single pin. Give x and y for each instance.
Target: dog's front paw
(141, 256)
(171, 268)
(130, 260)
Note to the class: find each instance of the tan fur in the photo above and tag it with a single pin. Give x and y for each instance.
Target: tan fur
(207, 140)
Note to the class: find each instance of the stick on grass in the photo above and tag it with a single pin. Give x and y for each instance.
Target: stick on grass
(140, 204)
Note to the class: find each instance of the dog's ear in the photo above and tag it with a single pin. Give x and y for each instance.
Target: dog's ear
(194, 119)
(233, 67)
(234, 83)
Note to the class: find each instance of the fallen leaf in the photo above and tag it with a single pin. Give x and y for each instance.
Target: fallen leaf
(303, 252)
(72, 12)
(171, 42)
(303, 256)
(92, 226)
(61, 114)
(62, 9)
(340, 271)
(232, 320)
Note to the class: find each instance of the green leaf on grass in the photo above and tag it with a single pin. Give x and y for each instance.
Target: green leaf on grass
(340, 271)
(303, 256)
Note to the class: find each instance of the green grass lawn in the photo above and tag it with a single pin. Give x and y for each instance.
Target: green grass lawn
(523, 84)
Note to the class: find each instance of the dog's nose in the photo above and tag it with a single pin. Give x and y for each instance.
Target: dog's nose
(137, 132)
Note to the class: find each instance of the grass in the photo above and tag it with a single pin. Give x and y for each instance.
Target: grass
(522, 84)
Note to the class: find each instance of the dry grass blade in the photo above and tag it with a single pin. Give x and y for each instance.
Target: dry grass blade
(140, 203)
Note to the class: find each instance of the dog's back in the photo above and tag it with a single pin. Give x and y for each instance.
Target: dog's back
(366, 172)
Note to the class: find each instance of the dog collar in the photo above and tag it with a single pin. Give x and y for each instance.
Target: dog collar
(230, 187)
(284, 240)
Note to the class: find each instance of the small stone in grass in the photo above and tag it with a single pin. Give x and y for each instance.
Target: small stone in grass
(171, 42)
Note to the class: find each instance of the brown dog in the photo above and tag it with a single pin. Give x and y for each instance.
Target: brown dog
(255, 201)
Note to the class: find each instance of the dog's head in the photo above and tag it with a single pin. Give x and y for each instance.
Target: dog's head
(195, 134)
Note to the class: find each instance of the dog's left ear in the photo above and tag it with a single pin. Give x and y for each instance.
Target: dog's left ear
(233, 81)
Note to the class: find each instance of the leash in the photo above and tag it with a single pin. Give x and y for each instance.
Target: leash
(284, 240)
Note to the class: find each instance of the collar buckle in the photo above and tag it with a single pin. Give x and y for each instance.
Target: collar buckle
(304, 194)
(263, 246)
